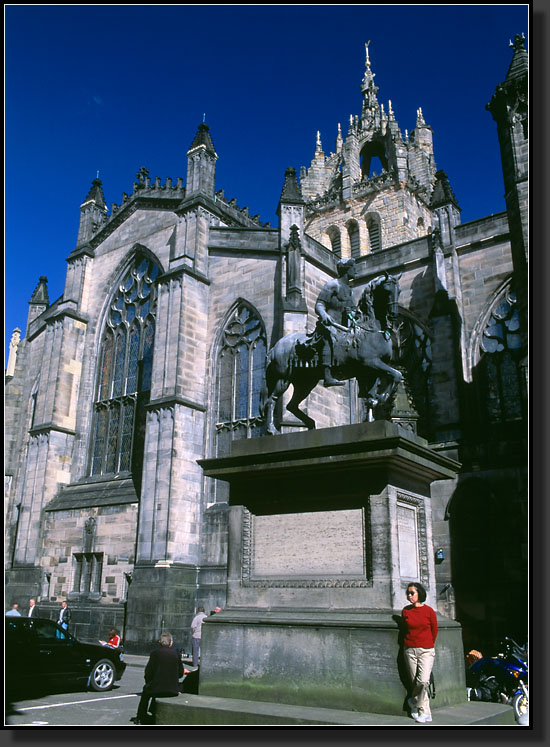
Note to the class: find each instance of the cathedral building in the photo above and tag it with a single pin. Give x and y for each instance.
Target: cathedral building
(154, 357)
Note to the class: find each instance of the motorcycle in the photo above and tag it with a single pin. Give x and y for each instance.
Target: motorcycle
(502, 678)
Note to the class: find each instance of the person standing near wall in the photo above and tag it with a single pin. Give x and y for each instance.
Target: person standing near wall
(196, 632)
(64, 616)
(420, 632)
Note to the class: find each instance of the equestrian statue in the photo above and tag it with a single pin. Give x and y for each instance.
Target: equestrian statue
(348, 342)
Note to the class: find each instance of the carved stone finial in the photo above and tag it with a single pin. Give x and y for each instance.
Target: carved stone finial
(519, 42)
(142, 174)
(12, 357)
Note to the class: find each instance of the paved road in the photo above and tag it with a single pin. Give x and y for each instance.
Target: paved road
(82, 707)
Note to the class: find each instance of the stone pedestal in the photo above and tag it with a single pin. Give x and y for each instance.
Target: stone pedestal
(326, 529)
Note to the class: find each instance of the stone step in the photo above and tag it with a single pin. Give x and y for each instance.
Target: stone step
(209, 711)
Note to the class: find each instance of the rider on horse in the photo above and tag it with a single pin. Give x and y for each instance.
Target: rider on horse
(333, 307)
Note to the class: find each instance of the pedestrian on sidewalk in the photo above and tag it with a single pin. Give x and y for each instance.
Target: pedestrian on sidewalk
(13, 611)
(162, 674)
(196, 632)
(420, 628)
(64, 616)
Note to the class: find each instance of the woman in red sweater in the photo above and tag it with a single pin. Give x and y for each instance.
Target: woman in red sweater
(420, 628)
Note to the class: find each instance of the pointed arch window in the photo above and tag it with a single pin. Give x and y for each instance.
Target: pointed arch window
(335, 240)
(240, 375)
(125, 363)
(354, 239)
(499, 371)
(374, 231)
(240, 371)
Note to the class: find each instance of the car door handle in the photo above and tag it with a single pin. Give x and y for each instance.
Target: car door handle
(44, 651)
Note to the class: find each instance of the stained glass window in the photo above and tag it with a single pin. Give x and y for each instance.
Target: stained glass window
(239, 377)
(126, 360)
(500, 376)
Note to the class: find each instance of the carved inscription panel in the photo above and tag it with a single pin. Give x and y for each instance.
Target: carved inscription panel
(321, 544)
(408, 541)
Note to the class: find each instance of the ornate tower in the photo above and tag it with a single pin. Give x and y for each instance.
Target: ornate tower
(375, 191)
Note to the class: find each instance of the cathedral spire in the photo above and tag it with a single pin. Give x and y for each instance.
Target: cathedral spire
(339, 139)
(40, 293)
(39, 301)
(291, 207)
(371, 108)
(318, 144)
(95, 194)
(201, 163)
(520, 60)
(291, 194)
(92, 212)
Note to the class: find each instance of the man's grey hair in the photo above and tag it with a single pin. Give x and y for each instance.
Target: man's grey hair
(165, 639)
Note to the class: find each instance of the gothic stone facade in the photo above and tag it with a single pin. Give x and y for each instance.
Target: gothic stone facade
(153, 358)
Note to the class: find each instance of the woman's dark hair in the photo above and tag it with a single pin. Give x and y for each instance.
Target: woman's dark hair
(420, 589)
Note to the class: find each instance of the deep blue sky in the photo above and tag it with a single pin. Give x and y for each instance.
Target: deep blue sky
(112, 88)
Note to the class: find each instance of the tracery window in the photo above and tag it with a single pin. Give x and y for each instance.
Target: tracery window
(413, 356)
(500, 376)
(125, 365)
(240, 376)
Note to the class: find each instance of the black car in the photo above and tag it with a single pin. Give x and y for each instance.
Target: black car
(40, 652)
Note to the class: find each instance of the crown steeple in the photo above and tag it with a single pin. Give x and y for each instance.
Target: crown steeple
(370, 112)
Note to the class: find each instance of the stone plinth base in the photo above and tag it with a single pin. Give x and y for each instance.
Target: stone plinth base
(326, 530)
(345, 659)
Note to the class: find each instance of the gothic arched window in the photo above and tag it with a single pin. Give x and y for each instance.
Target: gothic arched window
(240, 376)
(335, 240)
(125, 365)
(500, 375)
(374, 231)
(354, 239)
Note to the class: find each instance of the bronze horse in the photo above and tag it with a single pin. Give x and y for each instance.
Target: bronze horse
(363, 353)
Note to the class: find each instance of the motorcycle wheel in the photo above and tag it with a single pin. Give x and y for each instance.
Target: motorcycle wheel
(520, 704)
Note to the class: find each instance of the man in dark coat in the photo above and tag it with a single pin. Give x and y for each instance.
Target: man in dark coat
(162, 674)
(64, 616)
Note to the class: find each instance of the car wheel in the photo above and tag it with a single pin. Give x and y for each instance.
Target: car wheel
(102, 675)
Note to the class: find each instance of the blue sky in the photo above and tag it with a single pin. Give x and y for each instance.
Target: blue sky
(111, 88)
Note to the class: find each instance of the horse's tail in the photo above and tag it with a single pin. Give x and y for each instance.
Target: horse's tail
(264, 391)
